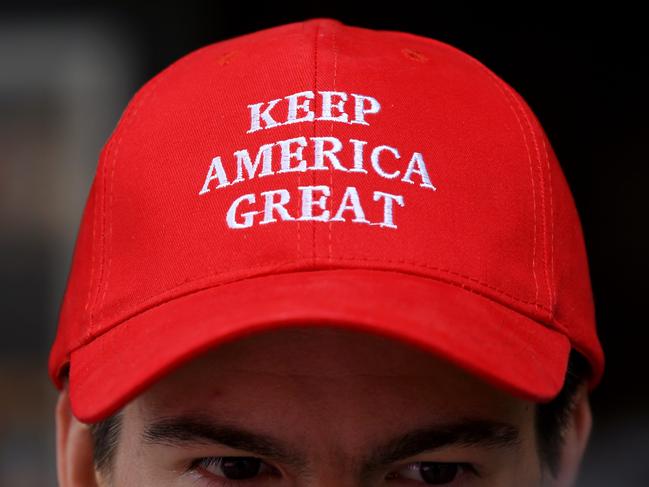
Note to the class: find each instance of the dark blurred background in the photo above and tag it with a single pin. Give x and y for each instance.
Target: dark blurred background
(67, 70)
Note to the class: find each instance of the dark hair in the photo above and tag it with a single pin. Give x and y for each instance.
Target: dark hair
(552, 417)
(551, 421)
(105, 436)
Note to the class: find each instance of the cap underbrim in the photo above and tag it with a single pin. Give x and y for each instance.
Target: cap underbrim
(505, 348)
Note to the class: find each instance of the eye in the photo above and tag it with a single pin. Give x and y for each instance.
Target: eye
(233, 468)
(433, 473)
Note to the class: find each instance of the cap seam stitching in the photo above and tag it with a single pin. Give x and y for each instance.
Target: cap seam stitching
(552, 288)
(331, 131)
(507, 95)
(299, 179)
(315, 109)
(93, 249)
(109, 156)
(90, 338)
(101, 203)
(279, 264)
(108, 212)
(102, 247)
(544, 239)
(499, 82)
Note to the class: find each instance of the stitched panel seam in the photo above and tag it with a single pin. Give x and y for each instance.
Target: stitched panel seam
(299, 177)
(507, 94)
(331, 131)
(285, 263)
(93, 246)
(553, 287)
(273, 271)
(315, 110)
(145, 93)
(534, 130)
(537, 133)
(504, 89)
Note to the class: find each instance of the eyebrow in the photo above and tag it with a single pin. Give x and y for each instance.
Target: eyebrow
(198, 429)
(463, 433)
(194, 429)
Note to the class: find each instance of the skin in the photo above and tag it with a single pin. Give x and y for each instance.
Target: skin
(331, 397)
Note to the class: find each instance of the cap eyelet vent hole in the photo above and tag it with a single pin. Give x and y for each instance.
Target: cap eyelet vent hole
(227, 57)
(414, 55)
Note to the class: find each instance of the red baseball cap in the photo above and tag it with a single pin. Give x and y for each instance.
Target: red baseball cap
(317, 173)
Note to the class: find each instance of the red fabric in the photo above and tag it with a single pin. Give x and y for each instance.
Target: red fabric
(470, 330)
(490, 253)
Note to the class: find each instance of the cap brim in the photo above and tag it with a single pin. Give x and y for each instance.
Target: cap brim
(505, 348)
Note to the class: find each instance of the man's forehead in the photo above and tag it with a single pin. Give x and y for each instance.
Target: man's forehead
(339, 369)
(322, 351)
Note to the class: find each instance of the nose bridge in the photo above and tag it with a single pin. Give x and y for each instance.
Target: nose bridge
(335, 480)
(335, 467)
(336, 450)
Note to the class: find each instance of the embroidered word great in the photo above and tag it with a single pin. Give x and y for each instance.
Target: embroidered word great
(350, 201)
(322, 154)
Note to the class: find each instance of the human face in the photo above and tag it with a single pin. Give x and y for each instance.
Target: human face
(324, 407)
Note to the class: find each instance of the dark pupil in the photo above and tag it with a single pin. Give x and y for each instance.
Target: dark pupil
(240, 467)
(438, 473)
